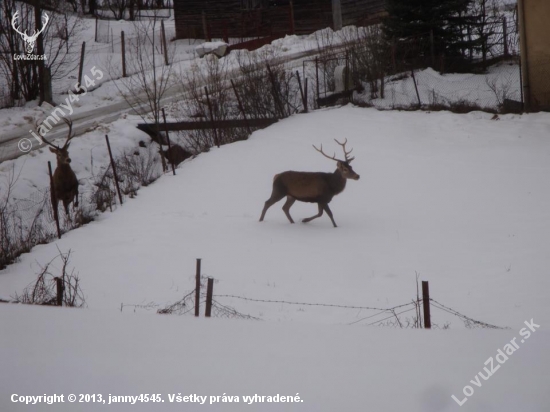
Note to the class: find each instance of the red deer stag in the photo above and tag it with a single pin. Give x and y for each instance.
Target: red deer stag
(312, 187)
(64, 180)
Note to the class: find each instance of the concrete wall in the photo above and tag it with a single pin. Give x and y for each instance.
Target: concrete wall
(537, 36)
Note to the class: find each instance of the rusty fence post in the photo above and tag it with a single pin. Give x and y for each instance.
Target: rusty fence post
(123, 51)
(168, 140)
(54, 201)
(164, 45)
(198, 288)
(241, 107)
(81, 67)
(209, 293)
(302, 94)
(216, 138)
(426, 304)
(60, 288)
(115, 176)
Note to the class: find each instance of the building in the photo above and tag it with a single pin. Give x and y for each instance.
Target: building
(259, 18)
(535, 53)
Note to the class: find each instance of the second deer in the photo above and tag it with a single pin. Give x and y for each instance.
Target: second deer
(65, 183)
(312, 187)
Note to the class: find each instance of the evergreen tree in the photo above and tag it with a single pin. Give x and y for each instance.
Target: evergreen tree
(446, 19)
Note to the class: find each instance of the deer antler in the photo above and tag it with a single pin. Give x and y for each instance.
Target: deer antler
(324, 154)
(70, 135)
(346, 153)
(42, 137)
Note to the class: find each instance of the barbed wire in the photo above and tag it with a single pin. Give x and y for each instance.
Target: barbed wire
(311, 304)
(469, 322)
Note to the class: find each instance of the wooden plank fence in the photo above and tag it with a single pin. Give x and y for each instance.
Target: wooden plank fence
(151, 128)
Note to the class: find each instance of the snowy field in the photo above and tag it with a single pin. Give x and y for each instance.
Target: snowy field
(462, 200)
(487, 91)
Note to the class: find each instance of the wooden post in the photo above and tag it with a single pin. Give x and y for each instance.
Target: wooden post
(164, 46)
(432, 48)
(394, 66)
(317, 78)
(241, 107)
(382, 84)
(48, 96)
(336, 15)
(416, 88)
(275, 92)
(304, 99)
(115, 177)
(505, 35)
(305, 93)
(346, 77)
(291, 16)
(216, 139)
(426, 304)
(39, 48)
(123, 51)
(168, 139)
(59, 289)
(209, 292)
(81, 68)
(205, 27)
(198, 288)
(54, 201)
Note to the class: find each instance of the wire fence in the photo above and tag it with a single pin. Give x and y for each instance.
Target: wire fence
(390, 317)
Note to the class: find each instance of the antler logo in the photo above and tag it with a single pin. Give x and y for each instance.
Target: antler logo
(29, 40)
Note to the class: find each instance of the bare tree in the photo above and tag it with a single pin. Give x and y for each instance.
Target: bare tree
(149, 78)
(60, 40)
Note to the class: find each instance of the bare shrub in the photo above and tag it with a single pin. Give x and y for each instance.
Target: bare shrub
(503, 90)
(44, 290)
(266, 87)
(23, 223)
(134, 169)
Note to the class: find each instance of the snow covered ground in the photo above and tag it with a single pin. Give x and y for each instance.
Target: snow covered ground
(330, 368)
(462, 200)
(487, 91)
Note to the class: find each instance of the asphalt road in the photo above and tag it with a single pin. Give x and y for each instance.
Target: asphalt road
(19, 142)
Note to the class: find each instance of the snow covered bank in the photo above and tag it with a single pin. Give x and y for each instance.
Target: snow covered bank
(461, 199)
(71, 351)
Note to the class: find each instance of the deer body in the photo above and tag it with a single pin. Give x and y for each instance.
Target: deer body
(311, 187)
(65, 186)
(65, 183)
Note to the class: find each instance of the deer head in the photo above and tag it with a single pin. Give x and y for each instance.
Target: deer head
(342, 165)
(62, 153)
(29, 40)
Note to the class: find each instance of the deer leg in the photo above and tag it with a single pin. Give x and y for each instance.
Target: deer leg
(309, 219)
(275, 197)
(66, 204)
(329, 213)
(286, 207)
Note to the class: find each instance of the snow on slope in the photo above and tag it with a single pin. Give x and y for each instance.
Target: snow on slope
(331, 368)
(460, 199)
